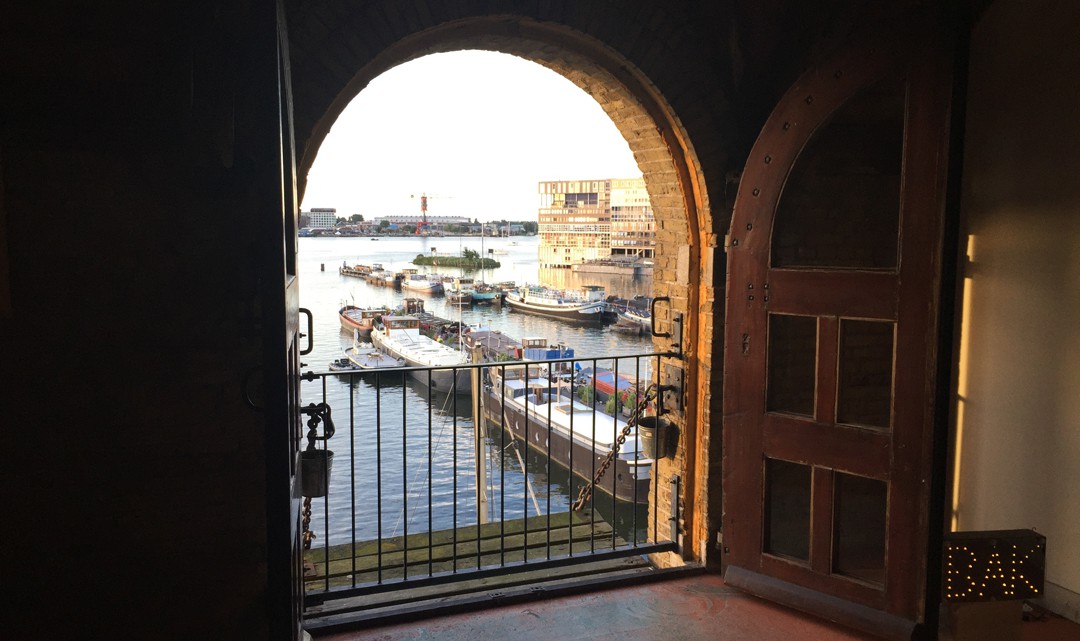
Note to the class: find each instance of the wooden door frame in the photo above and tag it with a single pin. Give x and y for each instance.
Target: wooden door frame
(815, 96)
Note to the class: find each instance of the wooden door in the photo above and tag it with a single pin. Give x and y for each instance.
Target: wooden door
(281, 327)
(834, 268)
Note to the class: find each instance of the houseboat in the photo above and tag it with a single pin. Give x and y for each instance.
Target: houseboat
(575, 435)
(400, 337)
(557, 304)
(422, 283)
(359, 319)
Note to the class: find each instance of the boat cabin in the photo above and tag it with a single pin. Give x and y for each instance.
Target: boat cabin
(414, 306)
(593, 293)
(391, 323)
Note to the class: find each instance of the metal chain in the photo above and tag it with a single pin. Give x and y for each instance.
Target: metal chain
(308, 535)
(586, 490)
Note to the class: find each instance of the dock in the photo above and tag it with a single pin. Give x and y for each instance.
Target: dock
(356, 271)
(452, 550)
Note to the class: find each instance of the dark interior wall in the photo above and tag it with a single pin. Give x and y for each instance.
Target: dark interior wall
(134, 475)
(134, 468)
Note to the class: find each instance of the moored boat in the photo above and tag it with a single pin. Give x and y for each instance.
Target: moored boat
(343, 365)
(422, 283)
(485, 294)
(359, 319)
(632, 320)
(400, 337)
(461, 292)
(556, 304)
(368, 358)
(575, 435)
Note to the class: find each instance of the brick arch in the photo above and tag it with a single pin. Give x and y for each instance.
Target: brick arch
(330, 69)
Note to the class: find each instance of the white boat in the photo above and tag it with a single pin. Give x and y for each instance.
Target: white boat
(400, 337)
(559, 304)
(423, 283)
(577, 436)
(368, 359)
(343, 365)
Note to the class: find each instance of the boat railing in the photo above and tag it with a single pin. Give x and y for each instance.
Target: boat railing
(419, 492)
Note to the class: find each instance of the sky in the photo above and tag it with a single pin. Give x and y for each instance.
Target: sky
(476, 131)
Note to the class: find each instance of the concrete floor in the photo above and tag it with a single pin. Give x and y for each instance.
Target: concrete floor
(686, 609)
(692, 608)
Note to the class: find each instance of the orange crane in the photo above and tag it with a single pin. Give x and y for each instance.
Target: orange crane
(421, 227)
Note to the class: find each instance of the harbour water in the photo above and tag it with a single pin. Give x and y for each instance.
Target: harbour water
(390, 489)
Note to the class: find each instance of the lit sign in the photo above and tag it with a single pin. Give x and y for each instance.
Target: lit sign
(998, 565)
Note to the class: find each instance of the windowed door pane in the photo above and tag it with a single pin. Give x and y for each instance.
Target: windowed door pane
(865, 385)
(859, 509)
(792, 364)
(787, 509)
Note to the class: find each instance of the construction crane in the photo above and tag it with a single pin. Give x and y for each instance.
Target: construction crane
(421, 227)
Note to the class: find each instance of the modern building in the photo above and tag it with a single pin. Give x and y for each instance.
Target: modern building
(434, 221)
(633, 227)
(321, 217)
(583, 220)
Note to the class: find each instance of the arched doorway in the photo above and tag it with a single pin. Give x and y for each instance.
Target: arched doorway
(673, 179)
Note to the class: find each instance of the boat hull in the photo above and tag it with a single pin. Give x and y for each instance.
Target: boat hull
(349, 324)
(580, 458)
(587, 314)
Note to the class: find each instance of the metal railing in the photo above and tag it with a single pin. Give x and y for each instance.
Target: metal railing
(419, 492)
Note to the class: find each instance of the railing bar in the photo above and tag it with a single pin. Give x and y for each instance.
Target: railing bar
(454, 474)
(378, 477)
(326, 498)
(430, 483)
(405, 483)
(570, 478)
(547, 470)
(352, 474)
(525, 470)
(502, 481)
(592, 458)
(613, 468)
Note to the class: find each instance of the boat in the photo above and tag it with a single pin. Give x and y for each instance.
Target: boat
(400, 337)
(633, 320)
(461, 292)
(557, 304)
(485, 294)
(423, 283)
(575, 435)
(343, 365)
(367, 359)
(359, 319)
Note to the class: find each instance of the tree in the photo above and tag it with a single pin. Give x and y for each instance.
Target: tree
(356, 218)
(383, 224)
(470, 254)
(530, 227)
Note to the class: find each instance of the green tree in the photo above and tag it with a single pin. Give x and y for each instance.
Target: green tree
(356, 218)
(530, 227)
(585, 393)
(470, 254)
(383, 224)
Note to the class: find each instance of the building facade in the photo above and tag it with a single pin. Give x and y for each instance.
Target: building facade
(321, 217)
(633, 228)
(584, 220)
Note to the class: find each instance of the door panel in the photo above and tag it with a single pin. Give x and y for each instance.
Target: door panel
(281, 327)
(831, 335)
